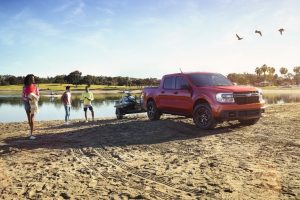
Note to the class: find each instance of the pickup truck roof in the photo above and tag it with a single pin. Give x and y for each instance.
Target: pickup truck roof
(188, 73)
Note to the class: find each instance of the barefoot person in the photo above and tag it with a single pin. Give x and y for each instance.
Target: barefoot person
(87, 97)
(66, 100)
(30, 98)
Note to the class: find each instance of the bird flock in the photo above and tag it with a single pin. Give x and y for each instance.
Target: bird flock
(281, 30)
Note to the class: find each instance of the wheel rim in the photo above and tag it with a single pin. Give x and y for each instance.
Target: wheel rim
(151, 110)
(202, 117)
(118, 113)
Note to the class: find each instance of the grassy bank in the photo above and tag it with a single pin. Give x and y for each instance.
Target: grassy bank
(281, 90)
(46, 88)
(61, 87)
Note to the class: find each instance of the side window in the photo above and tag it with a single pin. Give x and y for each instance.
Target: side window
(181, 83)
(169, 82)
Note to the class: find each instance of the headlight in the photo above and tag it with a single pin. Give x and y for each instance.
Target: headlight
(260, 95)
(225, 97)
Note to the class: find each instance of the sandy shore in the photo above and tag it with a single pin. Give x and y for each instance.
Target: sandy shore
(134, 158)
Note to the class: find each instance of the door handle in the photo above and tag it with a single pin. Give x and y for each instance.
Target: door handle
(176, 92)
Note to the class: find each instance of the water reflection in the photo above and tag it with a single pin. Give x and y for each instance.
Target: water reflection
(51, 108)
(15, 100)
(105, 100)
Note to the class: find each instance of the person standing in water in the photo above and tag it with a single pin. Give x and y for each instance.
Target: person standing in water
(30, 97)
(87, 97)
(66, 100)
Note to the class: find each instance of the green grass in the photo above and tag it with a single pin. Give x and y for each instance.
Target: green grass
(61, 87)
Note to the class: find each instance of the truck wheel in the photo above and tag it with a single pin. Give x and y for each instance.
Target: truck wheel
(119, 113)
(203, 118)
(152, 112)
(248, 122)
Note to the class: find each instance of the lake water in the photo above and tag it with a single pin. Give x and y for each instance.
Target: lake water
(12, 109)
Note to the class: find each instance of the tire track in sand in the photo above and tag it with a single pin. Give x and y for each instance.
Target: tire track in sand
(135, 181)
(144, 175)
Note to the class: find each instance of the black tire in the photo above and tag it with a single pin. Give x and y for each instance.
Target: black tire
(119, 113)
(152, 111)
(249, 122)
(203, 118)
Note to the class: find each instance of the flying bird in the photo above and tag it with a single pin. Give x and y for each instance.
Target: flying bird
(239, 38)
(281, 30)
(259, 32)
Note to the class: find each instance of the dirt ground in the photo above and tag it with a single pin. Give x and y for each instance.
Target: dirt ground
(134, 158)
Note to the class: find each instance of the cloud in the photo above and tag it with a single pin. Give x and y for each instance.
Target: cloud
(90, 40)
(21, 15)
(42, 27)
(74, 8)
(78, 9)
(63, 7)
(10, 27)
(148, 21)
(106, 11)
(7, 38)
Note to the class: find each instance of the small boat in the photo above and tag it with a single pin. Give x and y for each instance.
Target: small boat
(128, 104)
(52, 94)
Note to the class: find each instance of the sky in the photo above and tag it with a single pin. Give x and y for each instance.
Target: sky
(146, 38)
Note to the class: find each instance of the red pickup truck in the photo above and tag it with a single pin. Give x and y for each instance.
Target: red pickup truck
(209, 98)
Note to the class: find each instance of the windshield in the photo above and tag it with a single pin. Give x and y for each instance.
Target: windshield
(209, 80)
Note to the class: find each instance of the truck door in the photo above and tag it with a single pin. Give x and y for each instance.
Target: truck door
(166, 101)
(182, 95)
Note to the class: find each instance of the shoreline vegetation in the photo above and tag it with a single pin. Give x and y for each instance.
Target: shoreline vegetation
(47, 89)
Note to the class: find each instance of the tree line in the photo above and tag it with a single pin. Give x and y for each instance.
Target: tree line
(266, 75)
(76, 78)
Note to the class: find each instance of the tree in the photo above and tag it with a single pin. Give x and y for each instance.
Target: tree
(297, 75)
(283, 71)
(297, 70)
(121, 81)
(290, 76)
(264, 69)
(74, 77)
(271, 72)
(88, 80)
(243, 79)
(60, 79)
(12, 80)
(258, 71)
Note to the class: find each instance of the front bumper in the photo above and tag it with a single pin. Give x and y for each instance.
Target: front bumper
(241, 114)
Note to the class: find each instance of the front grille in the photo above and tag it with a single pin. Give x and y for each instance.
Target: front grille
(246, 97)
